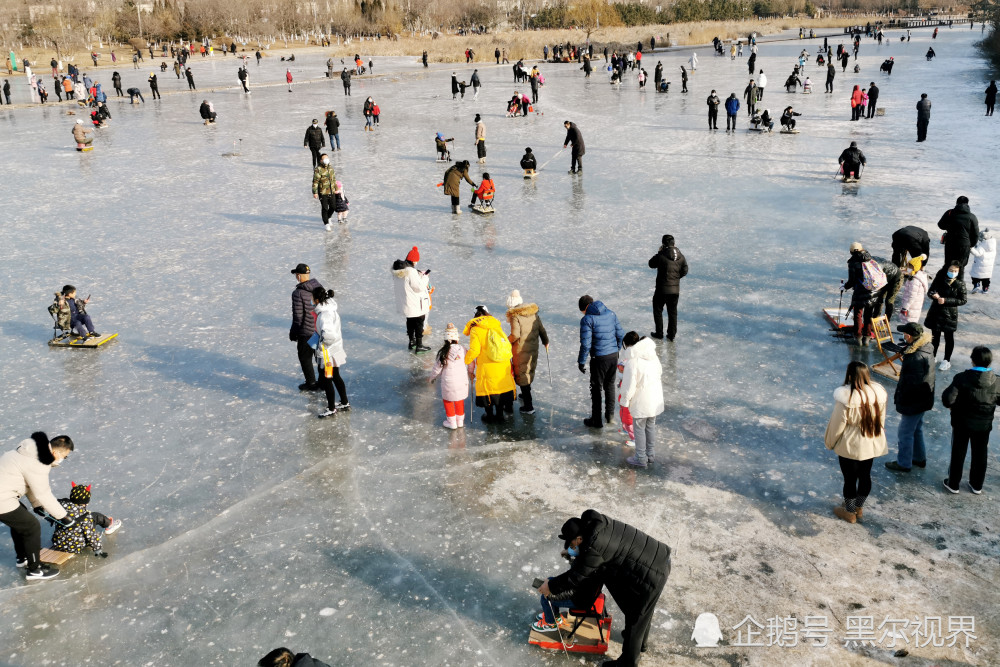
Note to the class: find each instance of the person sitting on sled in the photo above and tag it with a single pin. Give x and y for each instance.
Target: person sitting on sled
(442, 147)
(552, 605)
(788, 118)
(82, 533)
(485, 191)
(851, 160)
(71, 314)
(528, 162)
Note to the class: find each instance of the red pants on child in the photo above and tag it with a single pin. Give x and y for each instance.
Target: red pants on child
(626, 418)
(454, 408)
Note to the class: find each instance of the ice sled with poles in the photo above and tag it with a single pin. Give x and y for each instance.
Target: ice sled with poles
(881, 332)
(587, 631)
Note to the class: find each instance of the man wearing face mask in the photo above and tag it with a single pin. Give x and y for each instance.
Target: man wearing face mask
(582, 598)
(324, 185)
(633, 566)
(314, 140)
(25, 472)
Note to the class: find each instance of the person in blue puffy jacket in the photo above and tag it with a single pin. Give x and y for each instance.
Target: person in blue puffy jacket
(732, 107)
(601, 336)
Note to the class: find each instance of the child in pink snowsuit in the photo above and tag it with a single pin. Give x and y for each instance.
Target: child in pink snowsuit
(623, 412)
(450, 365)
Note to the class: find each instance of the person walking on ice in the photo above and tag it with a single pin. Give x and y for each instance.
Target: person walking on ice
(574, 136)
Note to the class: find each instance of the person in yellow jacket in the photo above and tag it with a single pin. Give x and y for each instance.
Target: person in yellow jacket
(494, 378)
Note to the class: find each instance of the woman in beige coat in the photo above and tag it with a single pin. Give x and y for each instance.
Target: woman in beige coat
(526, 329)
(856, 432)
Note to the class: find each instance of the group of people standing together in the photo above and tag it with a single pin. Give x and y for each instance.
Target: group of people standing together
(856, 431)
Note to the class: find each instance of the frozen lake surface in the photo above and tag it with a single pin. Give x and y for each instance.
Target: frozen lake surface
(379, 538)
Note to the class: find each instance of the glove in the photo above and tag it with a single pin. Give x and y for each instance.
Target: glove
(40, 512)
(292, 336)
(583, 369)
(66, 521)
(100, 554)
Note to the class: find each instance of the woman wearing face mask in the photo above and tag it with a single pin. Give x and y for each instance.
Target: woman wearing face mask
(946, 293)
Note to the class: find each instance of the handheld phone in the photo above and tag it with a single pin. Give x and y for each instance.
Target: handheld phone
(537, 583)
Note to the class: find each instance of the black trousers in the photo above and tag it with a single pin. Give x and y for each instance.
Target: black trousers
(306, 359)
(961, 440)
(949, 343)
(989, 109)
(480, 149)
(871, 108)
(730, 121)
(602, 377)
(155, 91)
(415, 327)
(670, 301)
(315, 153)
(326, 207)
(713, 118)
(328, 384)
(638, 618)
(526, 396)
(27, 534)
(829, 85)
(857, 477)
(921, 130)
(576, 162)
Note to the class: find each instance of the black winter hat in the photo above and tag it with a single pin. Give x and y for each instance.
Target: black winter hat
(571, 530)
(478, 118)
(80, 494)
(667, 240)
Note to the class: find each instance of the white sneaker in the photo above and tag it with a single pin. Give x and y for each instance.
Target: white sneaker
(630, 443)
(326, 413)
(944, 365)
(113, 528)
(975, 289)
(328, 226)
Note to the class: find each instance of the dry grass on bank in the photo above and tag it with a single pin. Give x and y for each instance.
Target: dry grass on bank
(450, 48)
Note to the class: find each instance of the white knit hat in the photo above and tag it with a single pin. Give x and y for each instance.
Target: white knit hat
(451, 333)
(514, 299)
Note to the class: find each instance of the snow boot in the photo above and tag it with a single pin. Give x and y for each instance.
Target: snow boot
(455, 209)
(849, 517)
(460, 421)
(450, 423)
(410, 346)
(418, 345)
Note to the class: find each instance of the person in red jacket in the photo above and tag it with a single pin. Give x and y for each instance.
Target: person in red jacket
(485, 191)
(288, 78)
(856, 103)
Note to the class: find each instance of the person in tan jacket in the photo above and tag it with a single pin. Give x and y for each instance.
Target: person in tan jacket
(25, 472)
(856, 433)
(526, 329)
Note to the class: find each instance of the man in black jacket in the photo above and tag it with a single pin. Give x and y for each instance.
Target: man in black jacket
(633, 566)
(851, 160)
(314, 140)
(912, 242)
(670, 267)
(345, 78)
(914, 396)
(923, 117)
(573, 135)
(872, 98)
(304, 324)
(961, 233)
(973, 397)
(887, 295)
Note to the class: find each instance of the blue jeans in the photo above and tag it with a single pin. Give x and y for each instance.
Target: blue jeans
(548, 605)
(910, 437)
(335, 138)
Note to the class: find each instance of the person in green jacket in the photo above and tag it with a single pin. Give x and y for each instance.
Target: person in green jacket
(324, 185)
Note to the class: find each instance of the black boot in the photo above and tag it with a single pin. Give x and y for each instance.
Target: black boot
(418, 345)
(410, 346)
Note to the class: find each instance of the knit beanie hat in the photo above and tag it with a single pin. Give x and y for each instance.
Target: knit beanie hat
(916, 263)
(451, 333)
(80, 494)
(514, 299)
(478, 118)
(413, 255)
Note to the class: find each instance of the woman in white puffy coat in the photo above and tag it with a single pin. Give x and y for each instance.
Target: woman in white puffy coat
(984, 254)
(915, 282)
(329, 345)
(642, 394)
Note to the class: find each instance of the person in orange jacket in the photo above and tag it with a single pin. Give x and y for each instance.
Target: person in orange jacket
(485, 191)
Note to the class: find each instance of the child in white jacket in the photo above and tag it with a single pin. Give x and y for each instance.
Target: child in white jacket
(642, 394)
(630, 339)
(329, 345)
(984, 254)
(914, 291)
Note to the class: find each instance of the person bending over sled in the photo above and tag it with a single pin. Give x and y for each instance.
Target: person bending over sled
(442, 147)
(82, 533)
(71, 314)
(485, 191)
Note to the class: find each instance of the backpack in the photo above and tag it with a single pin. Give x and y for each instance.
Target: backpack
(872, 276)
(498, 348)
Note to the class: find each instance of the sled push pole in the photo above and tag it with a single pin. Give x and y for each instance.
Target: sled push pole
(882, 333)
